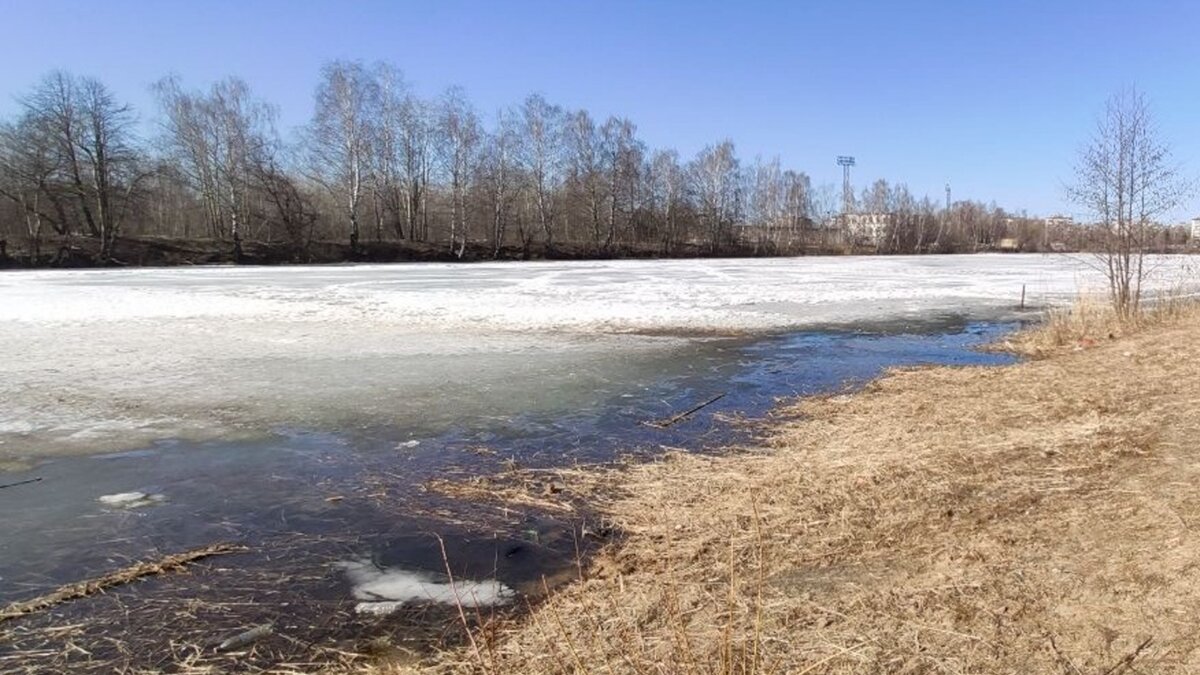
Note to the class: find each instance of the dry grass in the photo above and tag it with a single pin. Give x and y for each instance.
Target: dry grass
(1033, 518)
(1092, 319)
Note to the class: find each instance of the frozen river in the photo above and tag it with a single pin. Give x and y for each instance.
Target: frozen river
(115, 359)
(307, 411)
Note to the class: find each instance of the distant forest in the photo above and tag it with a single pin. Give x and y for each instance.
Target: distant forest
(381, 173)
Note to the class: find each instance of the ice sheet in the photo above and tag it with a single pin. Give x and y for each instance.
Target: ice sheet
(113, 359)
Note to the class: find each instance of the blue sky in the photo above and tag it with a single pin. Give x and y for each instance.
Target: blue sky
(994, 97)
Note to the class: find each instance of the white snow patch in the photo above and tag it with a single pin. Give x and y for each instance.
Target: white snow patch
(131, 500)
(384, 590)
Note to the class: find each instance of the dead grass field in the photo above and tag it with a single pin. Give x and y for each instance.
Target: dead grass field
(1036, 518)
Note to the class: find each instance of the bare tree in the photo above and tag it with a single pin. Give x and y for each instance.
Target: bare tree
(1125, 178)
(460, 136)
(716, 182)
(224, 142)
(541, 157)
(798, 206)
(621, 154)
(585, 170)
(416, 138)
(386, 183)
(93, 140)
(339, 139)
(289, 203)
(28, 166)
(765, 203)
(500, 172)
(668, 186)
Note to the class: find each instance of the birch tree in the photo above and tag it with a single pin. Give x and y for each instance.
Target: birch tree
(797, 205)
(416, 135)
(767, 207)
(500, 173)
(460, 136)
(715, 177)
(339, 138)
(622, 159)
(586, 172)
(668, 186)
(541, 158)
(224, 142)
(1125, 178)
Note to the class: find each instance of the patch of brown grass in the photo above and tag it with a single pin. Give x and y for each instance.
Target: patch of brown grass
(1092, 319)
(1034, 518)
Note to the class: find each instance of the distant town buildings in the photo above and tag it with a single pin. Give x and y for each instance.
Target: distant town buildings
(868, 228)
(1059, 221)
(1195, 230)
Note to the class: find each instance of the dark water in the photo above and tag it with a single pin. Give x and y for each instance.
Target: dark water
(303, 499)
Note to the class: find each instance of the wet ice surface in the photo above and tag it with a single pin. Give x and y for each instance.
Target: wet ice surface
(363, 486)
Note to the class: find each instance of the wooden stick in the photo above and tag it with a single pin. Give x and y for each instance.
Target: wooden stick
(21, 482)
(83, 589)
(672, 421)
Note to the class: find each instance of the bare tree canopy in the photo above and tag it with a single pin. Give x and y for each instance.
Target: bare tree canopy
(340, 139)
(1126, 179)
(222, 141)
(386, 170)
(80, 154)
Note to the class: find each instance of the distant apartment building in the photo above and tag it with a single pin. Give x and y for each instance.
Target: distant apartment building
(1195, 230)
(1059, 221)
(867, 228)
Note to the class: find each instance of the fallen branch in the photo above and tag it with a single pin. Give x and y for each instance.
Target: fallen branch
(122, 576)
(672, 421)
(21, 482)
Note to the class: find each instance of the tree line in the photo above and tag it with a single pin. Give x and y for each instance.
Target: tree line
(379, 164)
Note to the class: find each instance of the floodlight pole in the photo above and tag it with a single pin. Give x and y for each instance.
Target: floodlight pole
(846, 161)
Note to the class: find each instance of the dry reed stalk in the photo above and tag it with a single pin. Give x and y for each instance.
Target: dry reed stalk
(119, 577)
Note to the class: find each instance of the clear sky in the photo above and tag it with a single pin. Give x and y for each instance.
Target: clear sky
(995, 97)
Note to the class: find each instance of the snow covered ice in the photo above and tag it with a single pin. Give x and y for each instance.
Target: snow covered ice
(723, 294)
(114, 359)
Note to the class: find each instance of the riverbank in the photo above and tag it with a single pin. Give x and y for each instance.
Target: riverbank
(1031, 518)
(151, 251)
(155, 251)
